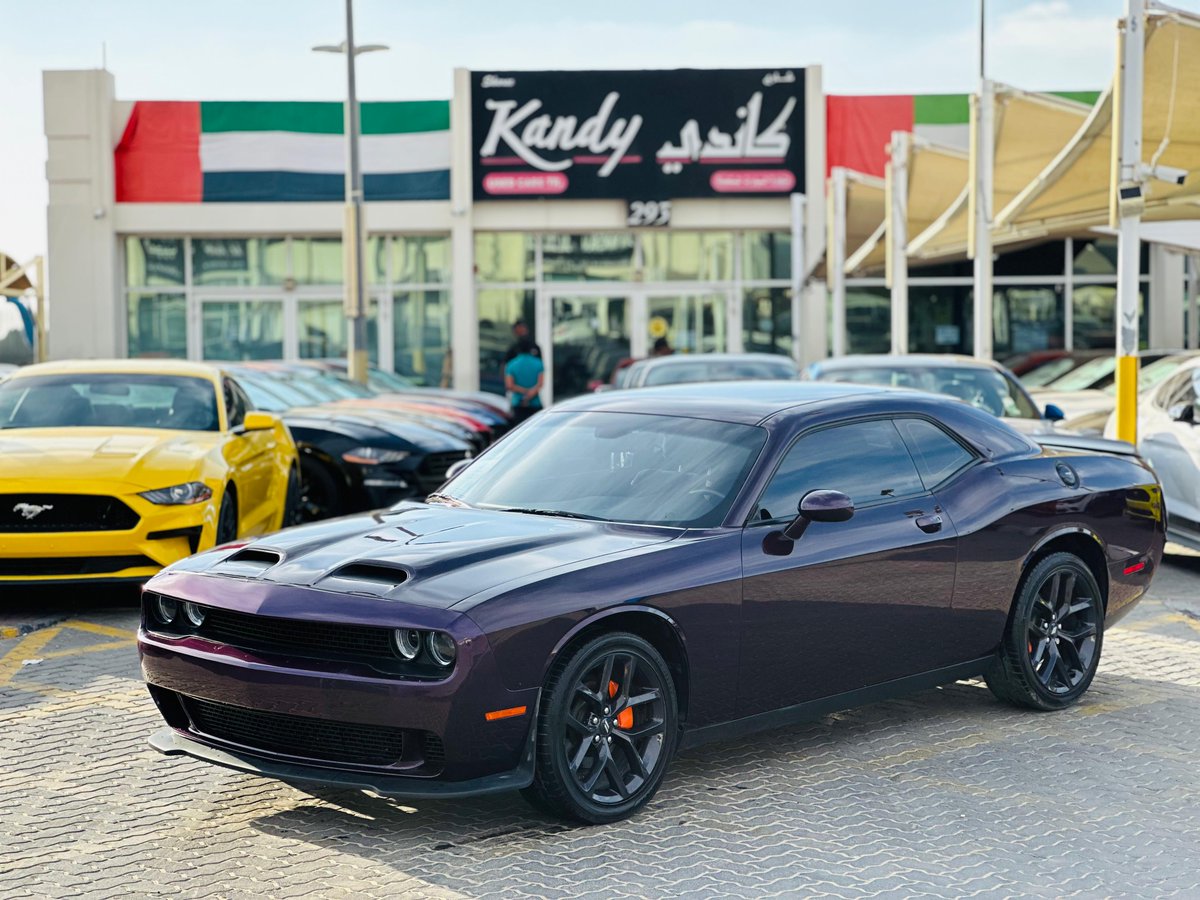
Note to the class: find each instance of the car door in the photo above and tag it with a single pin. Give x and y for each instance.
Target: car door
(1173, 446)
(252, 456)
(854, 603)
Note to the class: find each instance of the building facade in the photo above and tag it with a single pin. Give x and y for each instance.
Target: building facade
(605, 209)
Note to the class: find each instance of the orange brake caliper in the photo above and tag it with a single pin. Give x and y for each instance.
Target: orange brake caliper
(625, 716)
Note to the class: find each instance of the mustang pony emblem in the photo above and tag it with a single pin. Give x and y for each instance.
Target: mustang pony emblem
(30, 511)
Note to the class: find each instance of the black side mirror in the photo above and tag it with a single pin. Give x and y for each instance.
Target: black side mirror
(1182, 412)
(819, 506)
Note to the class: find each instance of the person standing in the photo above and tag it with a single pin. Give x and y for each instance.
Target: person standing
(524, 376)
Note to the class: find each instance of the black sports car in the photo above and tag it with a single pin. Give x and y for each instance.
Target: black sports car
(635, 571)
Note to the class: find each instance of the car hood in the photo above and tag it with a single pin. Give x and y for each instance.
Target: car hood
(430, 555)
(1077, 403)
(140, 457)
(362, 425)
(1030, 426)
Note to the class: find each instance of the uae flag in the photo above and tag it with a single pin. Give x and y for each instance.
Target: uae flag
(190, 152)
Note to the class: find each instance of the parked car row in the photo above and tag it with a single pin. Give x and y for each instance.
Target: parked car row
(114, 469)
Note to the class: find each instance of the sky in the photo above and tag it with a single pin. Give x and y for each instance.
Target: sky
(259, 50)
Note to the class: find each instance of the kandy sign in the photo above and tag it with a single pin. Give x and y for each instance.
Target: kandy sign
(651, 135)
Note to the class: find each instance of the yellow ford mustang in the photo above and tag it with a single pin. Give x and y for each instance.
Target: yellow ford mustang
(110, 470)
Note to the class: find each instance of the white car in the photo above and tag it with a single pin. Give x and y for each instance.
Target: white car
(1169, 438)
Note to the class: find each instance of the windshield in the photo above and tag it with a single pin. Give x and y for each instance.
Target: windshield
(1044, 374)
(109, 400)
(984, 389)
(717, 370)
(1153, 374)
(1087, 375)
(619, 467)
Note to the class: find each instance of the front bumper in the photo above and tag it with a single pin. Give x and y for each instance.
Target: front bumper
(162, 535)
(187, 673)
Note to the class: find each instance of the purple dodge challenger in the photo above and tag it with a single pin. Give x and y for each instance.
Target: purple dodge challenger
(638, 571)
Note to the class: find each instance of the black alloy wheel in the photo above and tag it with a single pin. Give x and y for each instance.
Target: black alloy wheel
(606, 730)
(319, 498)
(1052, 646)
(227, 518)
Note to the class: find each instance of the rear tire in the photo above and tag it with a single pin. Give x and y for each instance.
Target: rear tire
(606, 730)
(227, 518)
(1051, 646)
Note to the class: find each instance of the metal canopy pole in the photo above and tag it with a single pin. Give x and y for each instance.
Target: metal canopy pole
(355, 306)
(983, 148)
(835, 257)
(1126, 204)
(799, 274)
(896, 197)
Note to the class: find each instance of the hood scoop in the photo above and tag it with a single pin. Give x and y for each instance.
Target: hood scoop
(249, 562)
(372, 578)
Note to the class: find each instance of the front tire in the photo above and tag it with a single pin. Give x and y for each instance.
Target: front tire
(319, 494)
(227, 519)
(1051, 647)
(606, 730)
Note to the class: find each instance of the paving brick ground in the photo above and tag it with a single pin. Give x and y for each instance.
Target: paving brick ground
(947, 793)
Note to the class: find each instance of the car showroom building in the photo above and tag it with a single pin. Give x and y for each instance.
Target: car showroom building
(607, 209)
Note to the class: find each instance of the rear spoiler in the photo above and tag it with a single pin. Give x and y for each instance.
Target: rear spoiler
(1067, 441)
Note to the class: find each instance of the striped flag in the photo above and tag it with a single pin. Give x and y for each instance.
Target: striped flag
(187, 152)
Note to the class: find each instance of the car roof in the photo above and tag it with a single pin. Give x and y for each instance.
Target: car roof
(914, 360)
(743, 402)
(122, 367)
(683, 358)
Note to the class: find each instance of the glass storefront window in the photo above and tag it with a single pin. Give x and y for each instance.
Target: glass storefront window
(939, 319)
(591, 336)
(868, 320)
(504, 257)
(421, 259)
(690, 323)
(239, 262)
(154, 262)
(687, 256)
(239, 330)
(767, 321)
(1046, 258)
(321, 328)
(587, 257)
(766, 255)
(421, 336)
(157, 325)
(1099, 257)
(1094, 321)
(318, 260)
(1027, 318)
(499, 310)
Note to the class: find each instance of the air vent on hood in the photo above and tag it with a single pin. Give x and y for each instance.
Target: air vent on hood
(255, 557)
(376, 579)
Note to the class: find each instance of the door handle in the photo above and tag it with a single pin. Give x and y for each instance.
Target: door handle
(929, 524)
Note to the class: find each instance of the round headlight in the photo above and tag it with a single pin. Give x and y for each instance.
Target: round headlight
(165, 609)
(194, 613)
(407, 642)
(441, 648)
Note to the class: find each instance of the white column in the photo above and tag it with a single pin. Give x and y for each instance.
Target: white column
(835, 257)
(87, 315)
(1193, 301)
(1165, 307)
(812, 316)
(464, 317)
(799, 268)
(1127, 189)
(1069, 294)
(983, 147)
(897, 237)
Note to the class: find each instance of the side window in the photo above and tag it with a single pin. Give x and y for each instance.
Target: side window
(867, 460)
(937, 455)
(235, 404)
(1176, 389)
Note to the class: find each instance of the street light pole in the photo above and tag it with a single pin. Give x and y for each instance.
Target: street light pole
(352, 236)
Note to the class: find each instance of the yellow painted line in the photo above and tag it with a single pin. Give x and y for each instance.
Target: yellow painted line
(90, 648)
(29, 648)
(105, 630)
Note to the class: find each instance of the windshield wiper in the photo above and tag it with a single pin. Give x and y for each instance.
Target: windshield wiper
(562, 513)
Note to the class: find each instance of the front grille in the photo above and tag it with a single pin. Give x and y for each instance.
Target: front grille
(21, 513)
(433, 750)
(344, 742)
(71, 565)
(316, 640)
(434, 467)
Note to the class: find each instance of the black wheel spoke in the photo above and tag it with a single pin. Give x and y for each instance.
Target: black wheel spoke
(606, 676)
(626, 683)
(583, 689)
(1084, 631)
(578, 727)
(1070, 654)
(636, 764)
(598, 769)
(615, 778)
(1048, 672)
(644, 697)
(1038, 628)
(581, 754)
(643, 731)
(1063, 670)
(1068, 588)
(1040, 654)
(1075, 608)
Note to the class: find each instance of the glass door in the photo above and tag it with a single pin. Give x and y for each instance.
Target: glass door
(589, 337)
(321, 328)
(691, 322)
(235, 329)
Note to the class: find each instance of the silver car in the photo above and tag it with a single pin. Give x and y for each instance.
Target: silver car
(680, 368)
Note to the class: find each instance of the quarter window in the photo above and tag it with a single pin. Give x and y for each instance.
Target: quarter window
(937, 455)
(235, 404)
(867, 460)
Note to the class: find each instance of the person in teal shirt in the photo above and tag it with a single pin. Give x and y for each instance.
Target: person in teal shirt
(524, 376)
